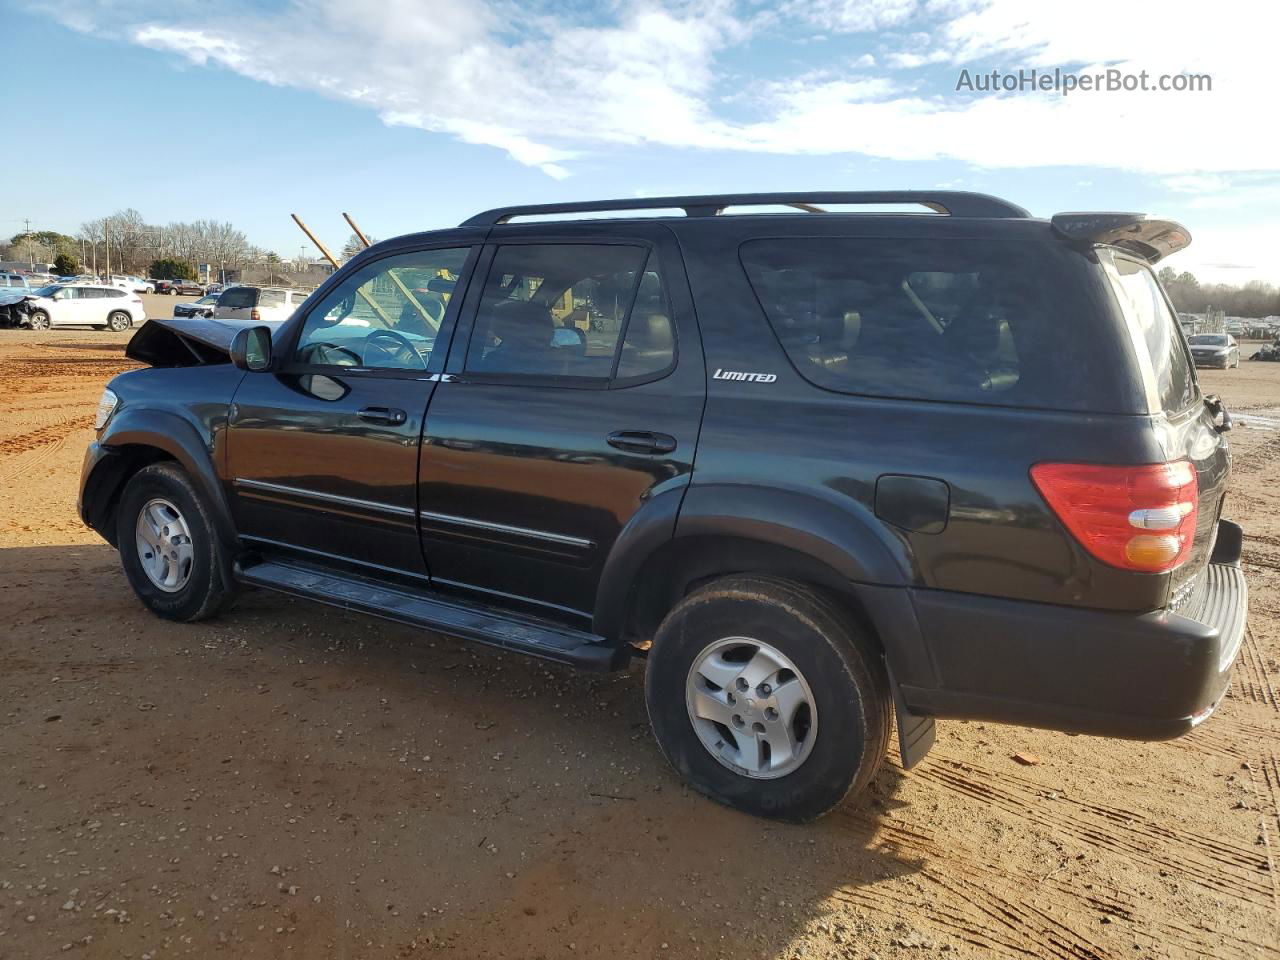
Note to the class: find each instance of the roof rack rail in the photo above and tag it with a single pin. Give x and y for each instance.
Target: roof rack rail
(950, 202)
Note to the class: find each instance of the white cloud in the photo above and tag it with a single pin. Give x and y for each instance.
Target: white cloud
(547, 86)
(852, 16)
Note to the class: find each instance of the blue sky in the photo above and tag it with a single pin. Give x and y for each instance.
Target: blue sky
(414, 114)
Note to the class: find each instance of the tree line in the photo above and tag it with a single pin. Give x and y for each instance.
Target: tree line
(125, 243)
(1189, 295)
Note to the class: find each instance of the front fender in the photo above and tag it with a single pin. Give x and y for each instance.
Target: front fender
(191, 445)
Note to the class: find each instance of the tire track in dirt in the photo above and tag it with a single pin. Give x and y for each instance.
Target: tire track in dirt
(47, 440)
(30, 376)
(1251, 676)
(1264, 777)
(995, 909)
(1206, 861)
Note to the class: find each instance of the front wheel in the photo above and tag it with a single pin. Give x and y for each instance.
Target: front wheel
(119, 320)
(39, 320)
(169, 547)
(766, 697)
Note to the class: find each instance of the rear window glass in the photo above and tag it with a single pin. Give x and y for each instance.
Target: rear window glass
(238, 298)
(978, 321)
(1146, 309)
(271, 298)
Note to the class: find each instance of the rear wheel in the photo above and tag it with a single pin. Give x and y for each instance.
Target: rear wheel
(168, 545)
(39, 320)
(119, 320)
(765, 697)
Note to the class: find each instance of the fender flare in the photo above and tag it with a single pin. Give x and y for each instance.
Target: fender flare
(839, 532)
(174, 435)
(649, 528)
(861, 556)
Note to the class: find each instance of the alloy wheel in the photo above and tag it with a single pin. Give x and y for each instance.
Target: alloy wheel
(164, 545)
(751, 708)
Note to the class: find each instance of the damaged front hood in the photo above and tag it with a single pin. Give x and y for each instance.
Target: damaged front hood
(181, 342)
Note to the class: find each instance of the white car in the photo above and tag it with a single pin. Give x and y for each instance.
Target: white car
(133, 284)
(243, 305)
(85, 305)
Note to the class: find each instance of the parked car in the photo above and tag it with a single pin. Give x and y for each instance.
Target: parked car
(955, 465)
(196, 308)
(162, 286)
(1214, 350)
(9, 282)
(186, 287)
(248, 305)
(14, 292)
(213, 288)
(84, 305)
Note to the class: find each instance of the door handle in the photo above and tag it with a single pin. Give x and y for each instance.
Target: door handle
(388, 415)
(642, 441)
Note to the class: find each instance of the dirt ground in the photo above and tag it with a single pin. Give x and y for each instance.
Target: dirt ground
(292, 781)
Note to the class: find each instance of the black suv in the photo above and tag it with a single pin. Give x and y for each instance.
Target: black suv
(817, 467)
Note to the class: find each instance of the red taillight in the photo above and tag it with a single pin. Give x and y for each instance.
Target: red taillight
(1135, 518)
(254, 315)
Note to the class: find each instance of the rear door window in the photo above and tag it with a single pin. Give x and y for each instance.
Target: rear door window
(980, 321)
(1157, 332)
(585, 312)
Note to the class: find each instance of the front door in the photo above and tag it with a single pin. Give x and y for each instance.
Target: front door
(574, 396)
(323, 450)
(73, 306)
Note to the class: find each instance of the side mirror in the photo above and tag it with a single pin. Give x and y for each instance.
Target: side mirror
(251, 349)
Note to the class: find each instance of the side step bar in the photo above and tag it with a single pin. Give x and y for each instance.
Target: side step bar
(437, 612)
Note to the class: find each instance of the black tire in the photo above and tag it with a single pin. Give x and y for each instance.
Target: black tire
(118, 321)
(39, 320)
(844, 671)
(208, 588)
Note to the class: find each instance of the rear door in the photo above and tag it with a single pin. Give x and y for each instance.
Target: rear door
(1185, 423)
(572, 397)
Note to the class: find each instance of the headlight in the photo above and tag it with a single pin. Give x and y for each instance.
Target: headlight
(106, 407)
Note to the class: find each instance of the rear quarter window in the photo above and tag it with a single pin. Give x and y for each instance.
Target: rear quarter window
(999, 322)
(1157, 332)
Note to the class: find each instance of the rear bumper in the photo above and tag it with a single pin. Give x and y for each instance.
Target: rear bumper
(1147, 676)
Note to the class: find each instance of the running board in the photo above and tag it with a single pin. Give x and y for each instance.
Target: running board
(433, 611)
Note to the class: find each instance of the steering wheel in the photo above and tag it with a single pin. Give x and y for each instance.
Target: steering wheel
(401, 350)
(320, 353)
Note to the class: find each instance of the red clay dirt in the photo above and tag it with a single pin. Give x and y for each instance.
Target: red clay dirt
(291, 781)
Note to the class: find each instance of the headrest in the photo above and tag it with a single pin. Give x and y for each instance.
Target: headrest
(650, 331)
(519, 321)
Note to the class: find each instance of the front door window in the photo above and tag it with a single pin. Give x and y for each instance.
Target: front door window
(387, 315)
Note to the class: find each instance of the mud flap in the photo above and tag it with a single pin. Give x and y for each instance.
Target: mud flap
(916, 733)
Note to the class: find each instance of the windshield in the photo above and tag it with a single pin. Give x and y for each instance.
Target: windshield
(48, 291)
(1212, 339)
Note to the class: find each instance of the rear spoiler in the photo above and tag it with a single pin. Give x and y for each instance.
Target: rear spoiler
(1149, 237)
